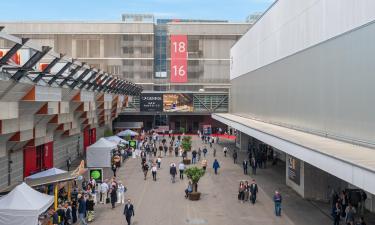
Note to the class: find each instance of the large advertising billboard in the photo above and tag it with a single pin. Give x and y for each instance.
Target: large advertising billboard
(179, 54)
(151, 102)
(178, 103)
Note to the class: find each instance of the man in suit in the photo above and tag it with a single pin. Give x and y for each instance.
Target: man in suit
(128, 211)
(244, 165)
(253, 191)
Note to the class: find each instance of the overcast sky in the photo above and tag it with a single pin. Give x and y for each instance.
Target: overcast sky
(110, 10)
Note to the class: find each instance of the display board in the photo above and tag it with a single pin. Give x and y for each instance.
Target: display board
(294, 168)
(97, 174)
(178, 103)
(151, 102)
(179, 54)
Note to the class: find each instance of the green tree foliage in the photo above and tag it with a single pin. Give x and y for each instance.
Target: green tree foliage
(186, 143)
(194, 174)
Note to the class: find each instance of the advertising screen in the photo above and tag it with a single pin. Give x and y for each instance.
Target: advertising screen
(178, 103)
(151, 102)
(97, 174)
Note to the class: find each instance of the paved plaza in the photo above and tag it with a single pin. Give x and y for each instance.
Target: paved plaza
(163, 203)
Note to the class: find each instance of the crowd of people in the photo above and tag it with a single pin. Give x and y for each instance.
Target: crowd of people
(344, 210)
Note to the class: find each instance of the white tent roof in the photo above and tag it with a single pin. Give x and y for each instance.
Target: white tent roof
(99, 153)
(103, 143)
(23, 205)
(46, 173)
(117, 140)
(127, 133)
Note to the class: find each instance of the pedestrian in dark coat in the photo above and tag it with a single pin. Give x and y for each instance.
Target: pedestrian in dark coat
(216, 166)
(234, 157)
(253, 190)
(245, 165)
(128, 211)
(113, 196)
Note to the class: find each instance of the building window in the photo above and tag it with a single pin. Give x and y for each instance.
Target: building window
(128, 37)
(114, 69)
(87, 48)
(128, 50)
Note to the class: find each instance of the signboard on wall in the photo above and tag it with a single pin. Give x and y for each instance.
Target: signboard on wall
(178, 103)
(151, 102)
(178, 70)
(294, 170)
(97, 174)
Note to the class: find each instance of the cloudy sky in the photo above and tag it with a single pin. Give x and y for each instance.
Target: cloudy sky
(233, 10)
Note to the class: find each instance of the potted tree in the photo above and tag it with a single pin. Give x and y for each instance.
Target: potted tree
(194, 174)
(186, 146)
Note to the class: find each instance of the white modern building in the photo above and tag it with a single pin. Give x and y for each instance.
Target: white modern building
(302, 82)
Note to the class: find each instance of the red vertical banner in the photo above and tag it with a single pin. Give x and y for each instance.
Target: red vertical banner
(179, 54)
(48, 155)
(86, 139)
(29, 161)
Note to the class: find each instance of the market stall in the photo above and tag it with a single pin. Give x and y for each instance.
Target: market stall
(23, 206)
(56, 182)
(100, 157)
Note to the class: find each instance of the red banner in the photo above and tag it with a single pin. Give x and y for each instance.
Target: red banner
(178, 70)
(179, 56)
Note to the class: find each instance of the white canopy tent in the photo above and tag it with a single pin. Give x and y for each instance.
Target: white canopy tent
(99, 153)
(117, 140)
(127, 133)
(46, 173)
(23, 205)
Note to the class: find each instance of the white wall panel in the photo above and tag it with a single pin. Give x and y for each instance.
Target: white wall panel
(9, 110)
(47, 94)
(291, 26)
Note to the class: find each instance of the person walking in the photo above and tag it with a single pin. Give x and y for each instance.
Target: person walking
(194, 157)
(244, 166)
(82, 209)
(204, 164)
(153, 170)
(225, 150)
(216, 165)
(113, 192)
(120, 193)
(277, 199)
(69, 163)
(199, 154)
(145, 170)
(114, 169)
(253, 191)
(234, 156)
(104, 192)
(90, 209)
(214, 152)
(181, 168)
(68, 214)
(241, 192)
(349, 214)
(128, 211)
(173, 172)
(204, 151)
(158, 161)
(254, 165)
(336, 212)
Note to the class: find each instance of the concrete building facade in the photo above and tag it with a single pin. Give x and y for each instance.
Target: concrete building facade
(139, 49)
(301, 82)
(52, 106)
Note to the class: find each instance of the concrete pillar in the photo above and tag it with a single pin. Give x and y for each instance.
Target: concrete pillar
(244, 142)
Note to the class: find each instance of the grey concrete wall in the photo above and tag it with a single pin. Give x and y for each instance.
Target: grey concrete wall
(65, 147)
(326, 89)
(16, 171)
